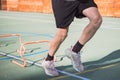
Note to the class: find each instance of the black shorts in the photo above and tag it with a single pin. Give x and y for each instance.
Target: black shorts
(65, 10)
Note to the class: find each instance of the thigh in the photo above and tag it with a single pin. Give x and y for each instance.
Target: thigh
(64, 12)
(91, 13)
(83, 6)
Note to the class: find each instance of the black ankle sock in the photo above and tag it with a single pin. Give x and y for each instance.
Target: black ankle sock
(77, 47)
(49, 58)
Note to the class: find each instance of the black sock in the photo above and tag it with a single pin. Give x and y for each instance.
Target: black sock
(77, 47)
(49, 58)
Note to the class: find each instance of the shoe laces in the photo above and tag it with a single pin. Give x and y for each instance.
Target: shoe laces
(52, 66)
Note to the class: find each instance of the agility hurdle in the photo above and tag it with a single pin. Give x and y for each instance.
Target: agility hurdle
(22, 49)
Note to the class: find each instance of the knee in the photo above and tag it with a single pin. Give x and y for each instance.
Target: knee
(62, 36)
(96, 20)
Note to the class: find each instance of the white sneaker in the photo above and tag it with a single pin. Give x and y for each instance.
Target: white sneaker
(49, 68)
(75, 59)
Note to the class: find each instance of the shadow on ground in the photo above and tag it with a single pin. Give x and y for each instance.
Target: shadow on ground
(107, 68)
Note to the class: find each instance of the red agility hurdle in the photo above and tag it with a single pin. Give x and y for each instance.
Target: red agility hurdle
(22, 49)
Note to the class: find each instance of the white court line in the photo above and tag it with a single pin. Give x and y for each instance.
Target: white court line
(26, 17)
(39, 15)
(31, 62)
(52, 21)
(111, 28)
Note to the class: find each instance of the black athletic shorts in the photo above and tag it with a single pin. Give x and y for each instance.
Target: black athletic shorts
(65, 10)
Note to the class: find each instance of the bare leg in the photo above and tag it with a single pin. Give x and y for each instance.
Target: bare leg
(58, 39)
(48, 63)
(95, 22)
(89, 31)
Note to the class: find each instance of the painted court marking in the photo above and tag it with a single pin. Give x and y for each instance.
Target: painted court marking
(29, 54)
(39, 65)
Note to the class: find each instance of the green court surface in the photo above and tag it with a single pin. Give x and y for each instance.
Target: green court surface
(101, 55)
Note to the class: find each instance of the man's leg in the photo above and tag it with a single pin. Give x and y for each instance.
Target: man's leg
(74, 52)
(48, 63)
(58, 39)
(95, 21)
